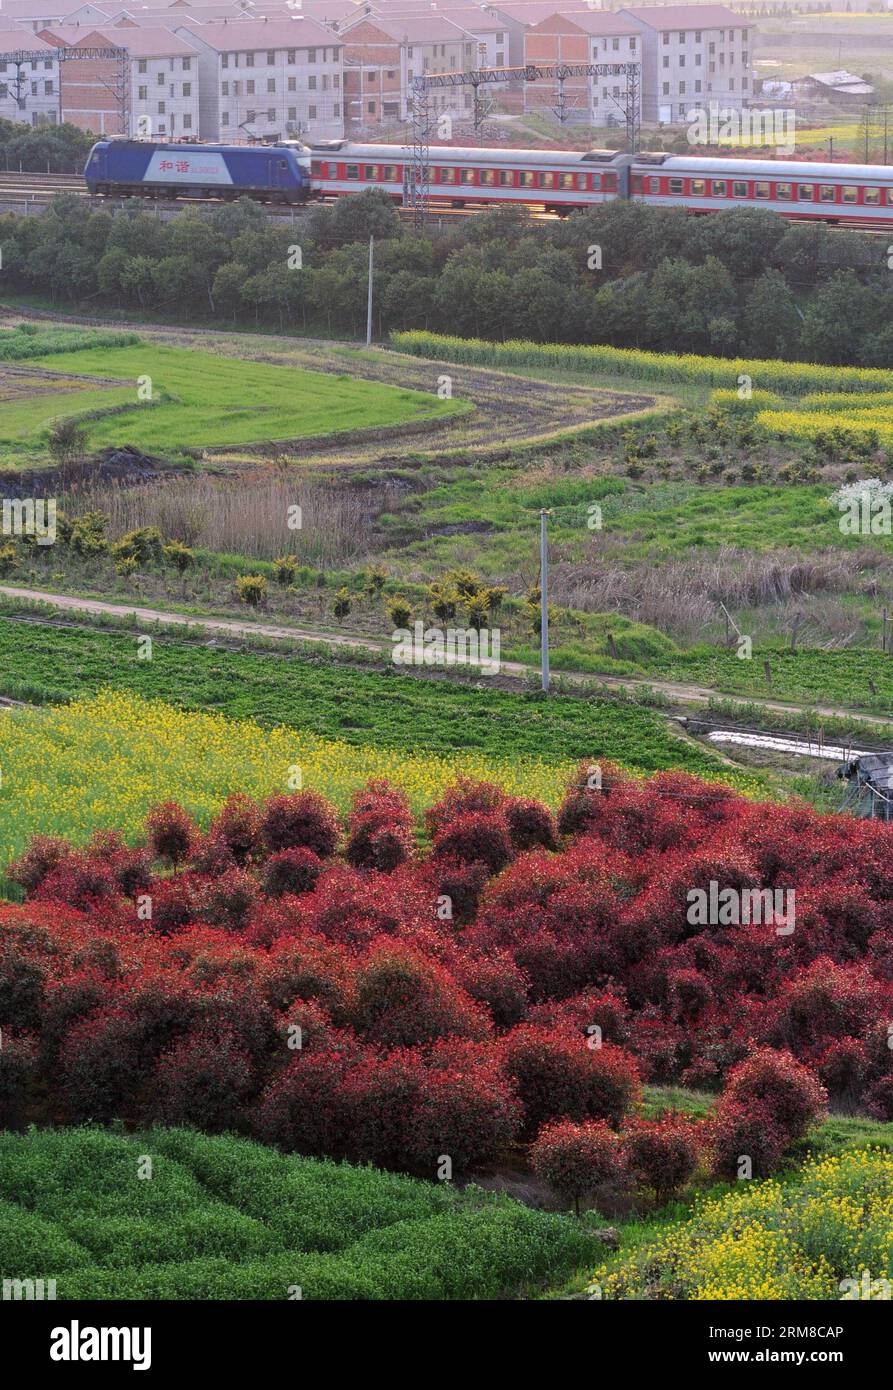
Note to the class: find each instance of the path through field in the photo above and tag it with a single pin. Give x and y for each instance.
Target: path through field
(683, 693)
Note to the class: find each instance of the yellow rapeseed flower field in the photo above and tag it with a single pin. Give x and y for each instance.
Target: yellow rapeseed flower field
(827, 1234)
(103, 762)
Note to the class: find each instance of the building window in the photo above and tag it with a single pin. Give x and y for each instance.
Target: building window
(187, 121)
(251, 115)
(271, 115)
(271, 84)
(290, 56)
(159, 78)
(187, 89)
(370, 108)
(249, 87)
(666, 89)
(271, 59)
(249, 60)
(141, 65)
(187, 64)
(292, 84)
(224, 60)
(224, 118)
(311, 113)
(143, 93)
(292, 113)
(161, 109)
(336, 110)
(311, 55)
(311, 83)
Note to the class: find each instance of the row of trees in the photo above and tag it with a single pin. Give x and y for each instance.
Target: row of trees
(55, 149)
(738, 282)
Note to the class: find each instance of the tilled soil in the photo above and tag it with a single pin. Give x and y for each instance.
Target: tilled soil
(508, 410)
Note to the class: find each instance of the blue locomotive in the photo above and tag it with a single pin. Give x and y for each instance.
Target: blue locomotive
(145, 168)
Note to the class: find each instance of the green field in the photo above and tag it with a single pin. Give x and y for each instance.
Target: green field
(388, 709)
(201, 400)
(227, 1218)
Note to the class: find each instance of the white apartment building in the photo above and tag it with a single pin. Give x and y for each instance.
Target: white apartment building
(164, 92)
(693, 56)
(29, 92)
(269, 79)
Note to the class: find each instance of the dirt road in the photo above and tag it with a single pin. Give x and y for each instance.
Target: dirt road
(683, 694)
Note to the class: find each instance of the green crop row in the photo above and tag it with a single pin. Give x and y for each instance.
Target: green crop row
(225, 1218)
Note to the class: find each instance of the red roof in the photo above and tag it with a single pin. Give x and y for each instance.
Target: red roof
(422, 28)
(140, 41)
(688, 17)
(250, 35)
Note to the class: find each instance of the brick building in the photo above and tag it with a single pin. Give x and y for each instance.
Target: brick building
(164, 92)
(583, 37)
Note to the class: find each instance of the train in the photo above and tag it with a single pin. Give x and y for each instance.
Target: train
(174, 169)
(556, 181)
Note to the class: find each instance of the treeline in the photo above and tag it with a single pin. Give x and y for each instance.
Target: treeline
(54, 149)
(739, 283)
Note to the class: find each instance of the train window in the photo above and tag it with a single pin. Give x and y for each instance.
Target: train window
(316, 169)
(353, 171)
(850, 194)
(785, 191)
(389, 173)
(872, 196)
(806, 192)
(719, 188)
(447, 176)
(610, 183)
(507, 178)
(370, 171)
(466, 176)
(581, 181)
(486, 176)
(547, 179)
(526, 176)
(890, 195)
(596, 181)
(739, 189)
(698, 187)
(654, 185)
(762, 190)
(677, 185)
(827, 192)
(565, 180)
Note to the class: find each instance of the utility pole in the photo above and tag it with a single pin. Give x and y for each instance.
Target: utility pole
(369, 297)
(544, 601)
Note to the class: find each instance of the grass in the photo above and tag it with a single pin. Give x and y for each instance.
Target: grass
(201, 400)
(225, 1218)
(390, 709)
